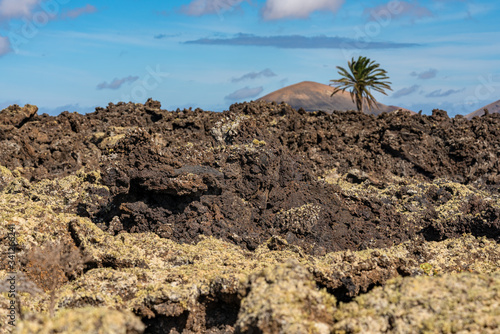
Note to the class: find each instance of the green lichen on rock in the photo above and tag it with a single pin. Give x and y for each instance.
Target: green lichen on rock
(5, 177)
(451, 303)
(447, 205)
(109, 139)
(5, 172)
(82, 321)
(227, 128)
(277, 285)
(152, 277)
(364, 269)
(41, 211)
(284, 299)
(57, 195)
(258, 142)
(300, 219)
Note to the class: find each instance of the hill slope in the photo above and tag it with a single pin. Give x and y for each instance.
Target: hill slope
(492, 108)
(313, 96)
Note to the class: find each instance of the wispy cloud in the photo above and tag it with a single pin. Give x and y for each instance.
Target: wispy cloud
(299, 42)
(207, 7)
(283, 9)
(117, 83)
(405, 91)
(74, 13)
(450, 0)
(440, 93)
(272, 10)
(255, 75)
(398, 10)
(5, 46)
(107, 37)
(244, 93)
(425, 75)
(162, 36)
(17, 8)
(283, 82)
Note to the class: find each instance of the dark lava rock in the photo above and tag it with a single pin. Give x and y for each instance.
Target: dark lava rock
(16, 116)
(320, 181)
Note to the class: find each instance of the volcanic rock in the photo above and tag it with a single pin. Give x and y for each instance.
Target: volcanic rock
(16, 116)
(188, 221)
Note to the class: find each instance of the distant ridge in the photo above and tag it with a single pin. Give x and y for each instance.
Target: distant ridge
(492, 108)
(314, 96)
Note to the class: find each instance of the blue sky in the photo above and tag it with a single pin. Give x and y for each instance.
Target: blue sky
(76, 55)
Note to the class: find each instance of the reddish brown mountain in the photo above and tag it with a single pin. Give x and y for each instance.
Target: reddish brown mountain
(492, 108)
(313, 96)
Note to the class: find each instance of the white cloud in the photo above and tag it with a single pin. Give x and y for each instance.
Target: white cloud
(281, 9)
(441, 93)
(17, 8)
(73, 14)
(204, 7)
(431, 73)
(255, 75)
(117, 83)
(399, 10)
(5, 46)
(405, 91)
(244, 93)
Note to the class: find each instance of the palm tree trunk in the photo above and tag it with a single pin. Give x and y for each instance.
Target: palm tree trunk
(359, 103)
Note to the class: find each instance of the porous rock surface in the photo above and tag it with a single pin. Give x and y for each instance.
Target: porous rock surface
(261, 169)
(446, 304)
(261, 219)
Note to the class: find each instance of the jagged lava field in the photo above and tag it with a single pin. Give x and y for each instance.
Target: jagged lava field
(259, 219)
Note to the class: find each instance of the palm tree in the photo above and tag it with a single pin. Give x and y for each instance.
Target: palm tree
(363, 75)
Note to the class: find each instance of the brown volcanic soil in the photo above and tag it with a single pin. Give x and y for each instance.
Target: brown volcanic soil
(323, 182)
(313, 96)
